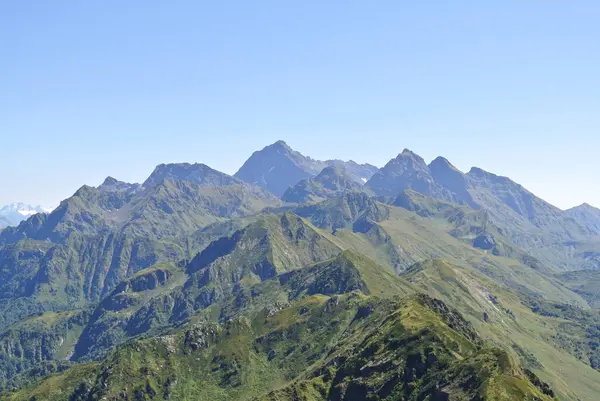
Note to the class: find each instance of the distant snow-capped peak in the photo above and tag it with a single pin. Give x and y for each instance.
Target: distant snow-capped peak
(14, 213)
(24, 209)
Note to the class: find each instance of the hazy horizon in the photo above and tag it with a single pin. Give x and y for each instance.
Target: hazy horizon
(114, 89)
(232, 172)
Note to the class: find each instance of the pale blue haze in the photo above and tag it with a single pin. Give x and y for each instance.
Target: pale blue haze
(96, 88)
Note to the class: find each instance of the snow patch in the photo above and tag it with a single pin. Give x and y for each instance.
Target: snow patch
(24, 212)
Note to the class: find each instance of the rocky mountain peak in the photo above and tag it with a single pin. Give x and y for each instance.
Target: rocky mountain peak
(441, 163)
(110, 181)
(112, 184)
(197, 173)
(279, 145)
(409, 160)
(586, 206)
(479, 172)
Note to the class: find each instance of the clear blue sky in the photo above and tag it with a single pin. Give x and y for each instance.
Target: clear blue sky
(96, 88)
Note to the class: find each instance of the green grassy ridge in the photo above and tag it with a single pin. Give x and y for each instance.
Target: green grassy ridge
(316, 338)
(272, 245)
(543, 341)
(348, 271)
(487, 375)
(125, 315)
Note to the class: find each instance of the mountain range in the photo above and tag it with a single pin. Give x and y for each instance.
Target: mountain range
(14, 213)
(299, 279)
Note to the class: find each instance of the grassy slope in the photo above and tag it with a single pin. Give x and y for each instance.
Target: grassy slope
(409, 239)
(412, 238)
(510, 323)
(585, 283)
(328, 339)
(415, 238)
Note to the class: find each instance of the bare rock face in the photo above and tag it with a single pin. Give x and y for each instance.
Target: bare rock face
(201, 335)
(145, 281)
(485, 242)
(277, 307)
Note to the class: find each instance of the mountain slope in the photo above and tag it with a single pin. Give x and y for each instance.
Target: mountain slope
(4, 222)
(327, 348)
(197, 173)
(548, 338)
(329, 183)
(268, 247)
(408, 171)
(587, 216)
(524, 219)
(272, 245)
(199, 285)
(100, 236)
(39, 346)
(277, 167)
(360, 173)
(510, 201)
(278, 260)
(585, 283)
